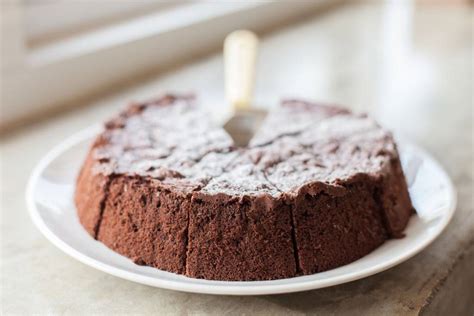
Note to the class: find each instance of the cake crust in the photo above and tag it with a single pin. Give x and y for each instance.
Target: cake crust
(317, 188)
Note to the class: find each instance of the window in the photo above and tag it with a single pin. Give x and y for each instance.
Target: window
(52, 19)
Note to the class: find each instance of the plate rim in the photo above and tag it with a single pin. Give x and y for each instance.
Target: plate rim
(226, 288)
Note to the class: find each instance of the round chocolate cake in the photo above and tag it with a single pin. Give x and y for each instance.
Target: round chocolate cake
(317, 188)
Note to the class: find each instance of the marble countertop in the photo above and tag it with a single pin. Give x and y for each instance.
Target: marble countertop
(409, 66)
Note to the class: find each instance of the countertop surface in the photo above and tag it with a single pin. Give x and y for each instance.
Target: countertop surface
(410, 67)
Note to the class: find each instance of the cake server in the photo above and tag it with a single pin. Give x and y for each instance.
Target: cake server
(240, 54)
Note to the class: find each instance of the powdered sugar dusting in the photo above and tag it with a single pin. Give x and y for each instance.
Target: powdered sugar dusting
(298, 144)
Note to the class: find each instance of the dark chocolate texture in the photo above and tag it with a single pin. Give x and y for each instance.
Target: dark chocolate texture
(318, 187)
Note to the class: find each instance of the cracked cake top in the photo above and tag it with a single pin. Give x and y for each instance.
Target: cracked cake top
(172, 141)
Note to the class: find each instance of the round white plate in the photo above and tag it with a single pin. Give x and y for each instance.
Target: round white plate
(50, 202)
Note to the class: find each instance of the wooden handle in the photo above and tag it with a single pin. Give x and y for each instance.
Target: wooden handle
(240, 54)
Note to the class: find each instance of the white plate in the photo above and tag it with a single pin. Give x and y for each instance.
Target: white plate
(49, 198)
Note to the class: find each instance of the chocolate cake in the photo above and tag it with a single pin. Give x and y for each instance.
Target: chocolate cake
(317, 188)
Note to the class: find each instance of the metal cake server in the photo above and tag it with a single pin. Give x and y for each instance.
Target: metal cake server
(240, 54)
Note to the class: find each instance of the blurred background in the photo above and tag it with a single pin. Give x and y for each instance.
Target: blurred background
(68, 64)
(61, 53)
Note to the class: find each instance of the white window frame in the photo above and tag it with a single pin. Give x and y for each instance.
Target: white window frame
(47, 20)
